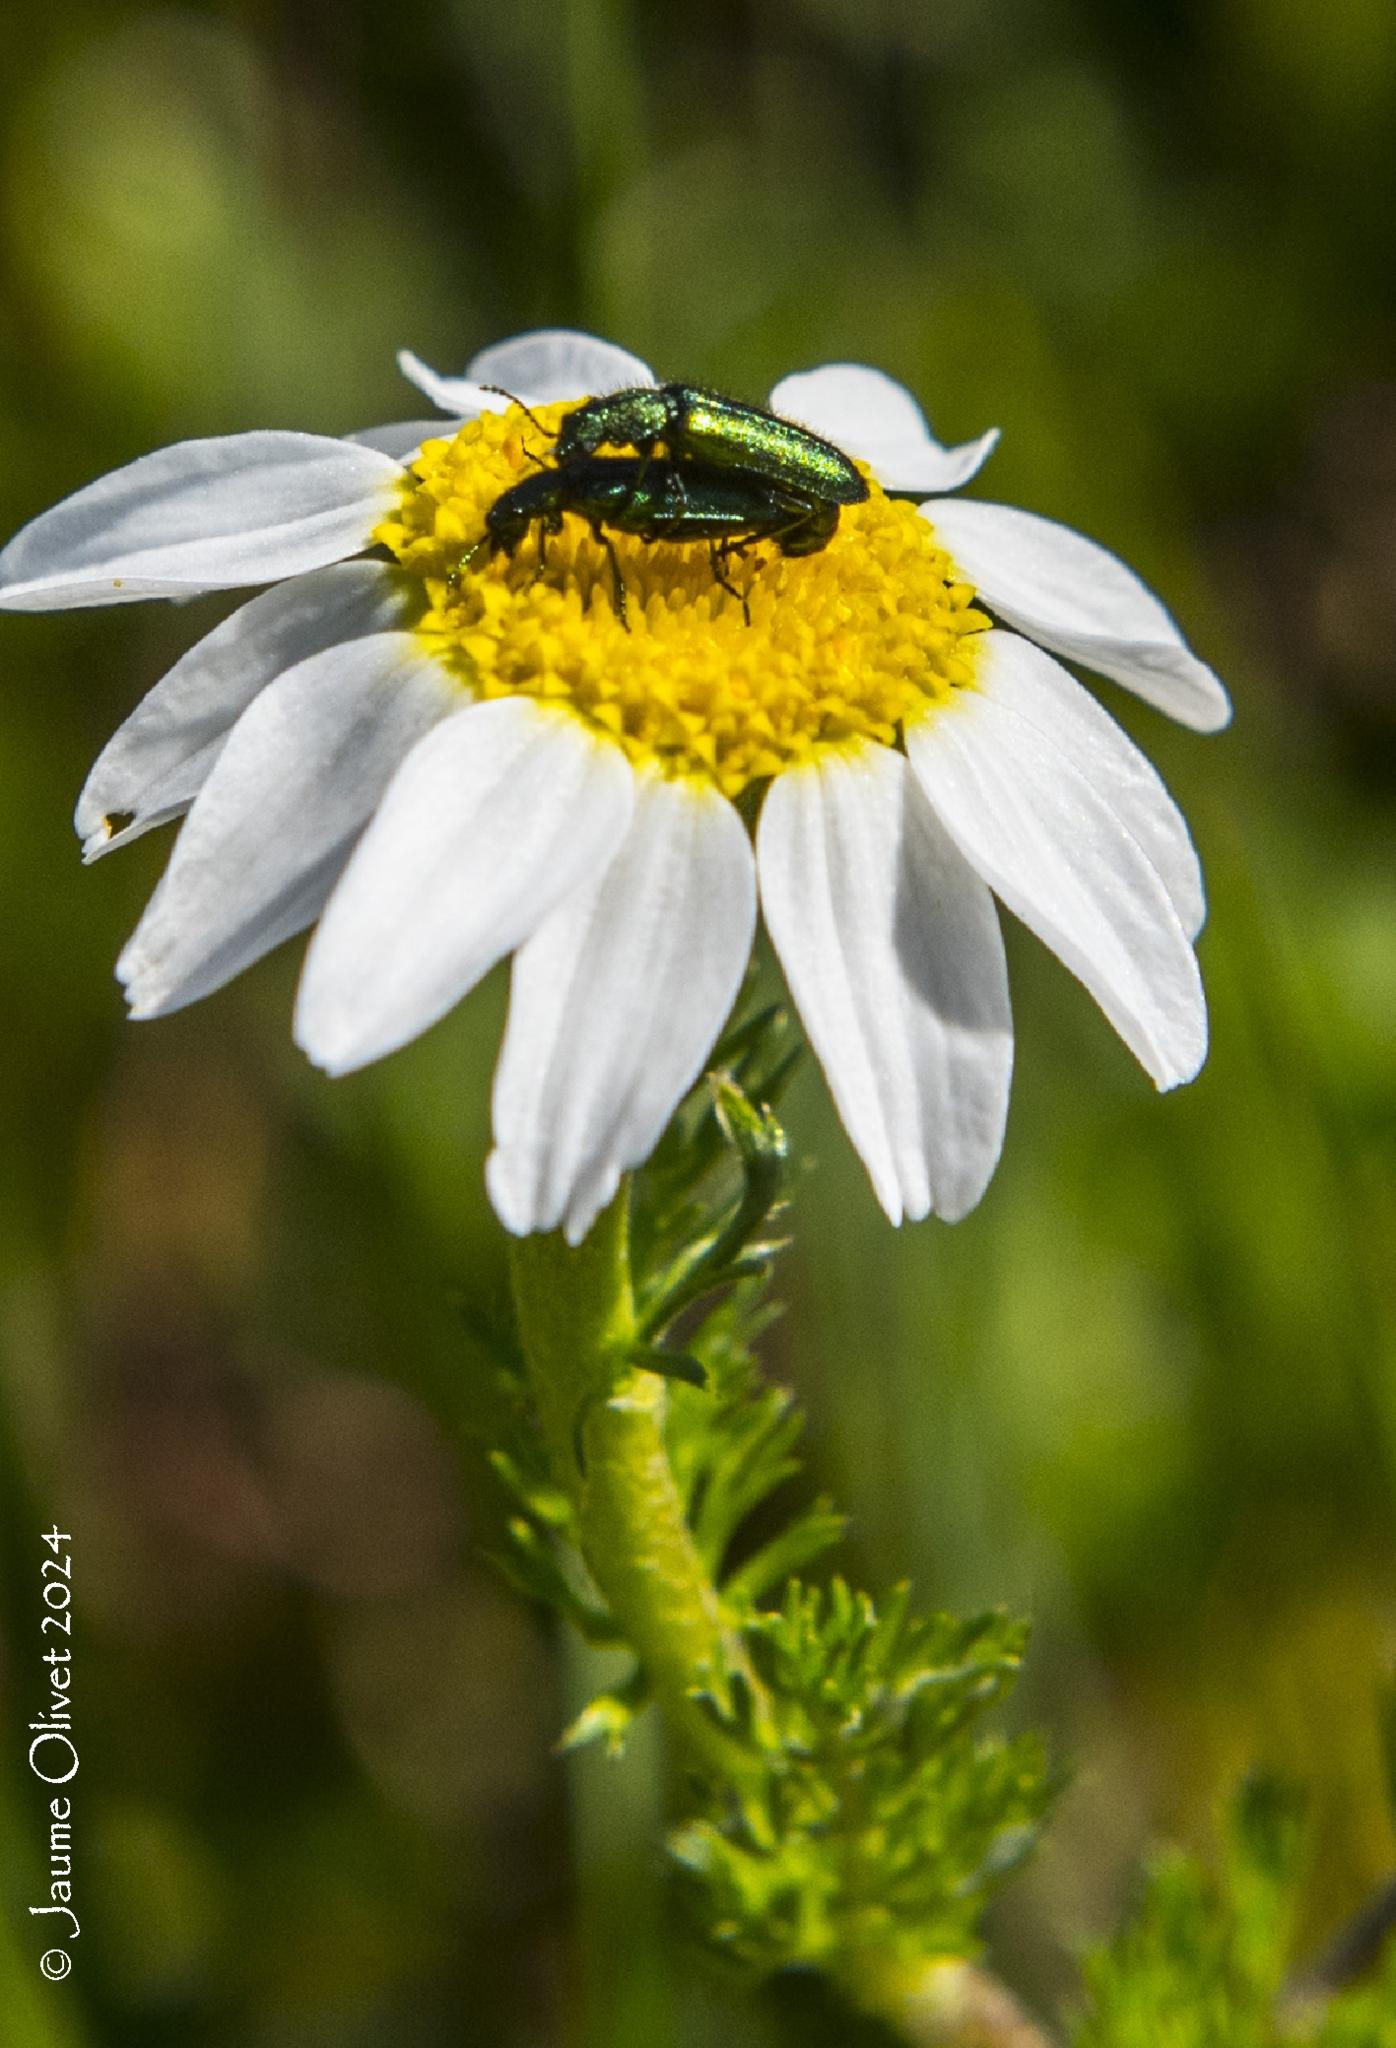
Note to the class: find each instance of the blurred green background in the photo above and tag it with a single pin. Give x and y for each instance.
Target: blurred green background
(1148, 1392)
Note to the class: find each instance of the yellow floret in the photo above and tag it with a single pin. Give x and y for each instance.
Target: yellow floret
(844, 644)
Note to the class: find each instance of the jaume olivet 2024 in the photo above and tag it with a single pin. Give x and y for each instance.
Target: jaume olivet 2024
(439, 754)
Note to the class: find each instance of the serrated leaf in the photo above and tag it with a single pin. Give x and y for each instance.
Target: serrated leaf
(812, 1532)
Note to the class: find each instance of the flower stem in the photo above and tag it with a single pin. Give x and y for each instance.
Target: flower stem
(944, 2002)
(604, 1423)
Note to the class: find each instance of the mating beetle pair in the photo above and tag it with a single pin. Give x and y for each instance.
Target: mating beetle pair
(732, 475)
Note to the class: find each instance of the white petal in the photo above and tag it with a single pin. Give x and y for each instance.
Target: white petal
(1081, 601)
(202, 515)
(873, 417)
(271, 829)
(891, 947)
(615, 1003)
(556, 363)
(487, 826)
(553, 364)
(1047, 841)
(403, 438)
(455, 395)
(154, 766)
(1039, 691)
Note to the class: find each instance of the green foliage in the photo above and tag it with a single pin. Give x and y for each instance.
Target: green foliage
(707, 1216)
(702, 1253)
(883, 1819)
(876, 1817)
(1202, 1959)
(1205, 1959)
(866, 1814)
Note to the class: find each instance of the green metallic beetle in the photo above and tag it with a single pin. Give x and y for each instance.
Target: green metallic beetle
(695, 425)
(658, 501)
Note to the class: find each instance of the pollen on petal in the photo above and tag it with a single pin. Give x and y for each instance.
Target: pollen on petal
(847, 643)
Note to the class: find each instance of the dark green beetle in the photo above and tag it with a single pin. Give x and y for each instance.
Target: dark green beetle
(699, 426)
(658, 501)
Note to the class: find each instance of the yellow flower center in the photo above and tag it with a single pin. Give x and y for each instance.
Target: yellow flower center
(847, 643)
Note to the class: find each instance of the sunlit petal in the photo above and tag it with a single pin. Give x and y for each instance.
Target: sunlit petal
(1081, 601)
(201, 515)
(616, 1001)
(870, 415)
(155, 764)
(269, 833)
(891, 946)
(489, 823)
(1050, 844)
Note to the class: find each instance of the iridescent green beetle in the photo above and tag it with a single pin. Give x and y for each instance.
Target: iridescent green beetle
(657, 501)
(696, 425)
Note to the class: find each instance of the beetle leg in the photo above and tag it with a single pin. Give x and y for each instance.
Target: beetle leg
(548, 523)
(717, 558)
(618, 595)
(467, 561)
(810, 520)
(646, 449)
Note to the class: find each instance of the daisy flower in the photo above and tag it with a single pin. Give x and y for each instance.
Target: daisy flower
(439, 757)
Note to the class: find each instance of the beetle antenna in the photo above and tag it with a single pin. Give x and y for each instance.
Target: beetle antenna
(527, 411)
